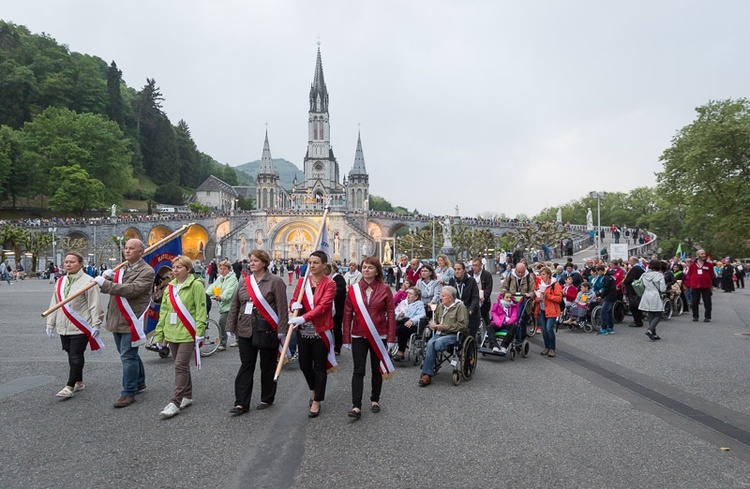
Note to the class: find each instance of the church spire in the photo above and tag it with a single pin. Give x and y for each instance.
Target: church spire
(266, 163)
(359, 159)
(318, 90)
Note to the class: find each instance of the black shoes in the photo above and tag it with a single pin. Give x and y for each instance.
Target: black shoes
(375, 408)
(262, 406)
(355, 413)
(707, 320)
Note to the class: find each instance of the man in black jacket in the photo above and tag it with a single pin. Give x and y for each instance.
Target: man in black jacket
(608, 295)
(338, 306)
(635, 272)
(483, 279)
(468, 293)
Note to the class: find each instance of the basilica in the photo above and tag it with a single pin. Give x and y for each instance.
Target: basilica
(286, 220)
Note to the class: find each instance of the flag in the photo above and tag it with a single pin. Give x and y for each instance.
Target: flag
(324, 245)
(679, 250)
(160, 257)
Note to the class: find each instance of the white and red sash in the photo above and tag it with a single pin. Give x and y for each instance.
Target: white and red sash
(371, 333)
(327, 336)
(264, 308)
(137, 335)
(187, 320)
(95, 343)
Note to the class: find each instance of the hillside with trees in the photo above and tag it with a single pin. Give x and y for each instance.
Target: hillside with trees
(68, 121)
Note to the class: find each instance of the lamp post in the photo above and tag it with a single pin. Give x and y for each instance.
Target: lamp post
(411, 232)
(598, 196)
(432, 221)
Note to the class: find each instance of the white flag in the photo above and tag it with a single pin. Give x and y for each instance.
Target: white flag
(325, 246)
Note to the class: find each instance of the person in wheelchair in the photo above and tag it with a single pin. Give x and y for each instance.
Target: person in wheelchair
(451, 316)
(408, 315)
(504, 316)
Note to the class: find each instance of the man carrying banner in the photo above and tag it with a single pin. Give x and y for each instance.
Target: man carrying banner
(77, 322)
(369, 322)
(130, 288)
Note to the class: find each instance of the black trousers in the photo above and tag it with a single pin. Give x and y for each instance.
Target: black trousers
(633, 301)
(360, 347)
(485, 310)
(740, 279)
(492, 329)
(243, 383)
(338, 332)
(696, 296)
(312, 361)
(75, 346)
(474, 320)
(403, 333)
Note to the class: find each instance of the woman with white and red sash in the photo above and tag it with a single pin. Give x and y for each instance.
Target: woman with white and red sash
(77, 322)
(182, 322)
(369, 326)
(314, 326)
(258, 316)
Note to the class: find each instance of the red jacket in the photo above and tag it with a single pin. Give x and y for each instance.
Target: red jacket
(413, 275)
(381, 310)
(703, 280)
(322, 313)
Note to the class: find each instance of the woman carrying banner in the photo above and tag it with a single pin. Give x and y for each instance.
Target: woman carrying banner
(314, 326)
(182, 322)
(77, 322)
(258, 317)
(369, 322)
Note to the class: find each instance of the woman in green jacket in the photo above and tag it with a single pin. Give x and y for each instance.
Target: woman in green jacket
(182, 322)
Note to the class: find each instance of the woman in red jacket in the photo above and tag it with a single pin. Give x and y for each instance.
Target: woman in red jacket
(369, 326)
(549, 298)
(314, 326)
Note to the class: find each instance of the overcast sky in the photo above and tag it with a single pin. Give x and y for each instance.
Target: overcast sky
(494, 106)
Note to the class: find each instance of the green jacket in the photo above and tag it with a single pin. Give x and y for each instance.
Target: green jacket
(453, 320)
(228, 286)
(193, 295)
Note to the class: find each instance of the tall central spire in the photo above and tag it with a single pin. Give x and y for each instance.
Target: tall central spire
(318, 90)
(266, 163)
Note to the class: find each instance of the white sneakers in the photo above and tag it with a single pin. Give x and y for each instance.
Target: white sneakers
(170, 410)
(186, 402)
(495, 349)
(500, 350)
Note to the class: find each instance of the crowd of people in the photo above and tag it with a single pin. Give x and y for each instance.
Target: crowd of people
(335, 308)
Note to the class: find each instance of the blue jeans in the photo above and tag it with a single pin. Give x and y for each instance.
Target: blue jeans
(133, 373)
(436, 344)
(608, 317)
(548, 329)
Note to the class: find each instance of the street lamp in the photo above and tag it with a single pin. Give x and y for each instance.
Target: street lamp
(598, 196)
(432, 221)
(412, 233)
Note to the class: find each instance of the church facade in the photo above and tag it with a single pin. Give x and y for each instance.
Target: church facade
(286, 221)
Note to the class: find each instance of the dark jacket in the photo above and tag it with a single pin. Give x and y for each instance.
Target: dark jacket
(468, 293)
(273, 290)
(633, 274)
(609, 288)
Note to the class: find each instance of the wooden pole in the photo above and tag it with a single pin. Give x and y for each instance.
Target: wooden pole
(301, 294)
(148, 250)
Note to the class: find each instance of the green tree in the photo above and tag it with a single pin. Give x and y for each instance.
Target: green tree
(706, 175)
(245, 204)
(60, 137)
(76, 191)
(34, 243)
(169, 193)
(23, 175)
(115, 109)
(187, 154)
(229, 175)
(13, 238)
(380, 204)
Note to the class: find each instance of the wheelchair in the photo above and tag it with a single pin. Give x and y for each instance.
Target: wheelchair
(519, 345)
(462, 356)
(414, 347)
(578, 318)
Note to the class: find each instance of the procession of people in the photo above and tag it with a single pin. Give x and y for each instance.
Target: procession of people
(356, 311)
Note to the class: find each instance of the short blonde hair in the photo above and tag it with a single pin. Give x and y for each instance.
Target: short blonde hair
(183, 260)
(225, 263)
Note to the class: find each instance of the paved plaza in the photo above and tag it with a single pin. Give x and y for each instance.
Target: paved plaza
(615, 411)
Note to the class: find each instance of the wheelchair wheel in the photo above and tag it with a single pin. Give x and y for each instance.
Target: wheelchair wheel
(512, 354)
(527, 321)
(456, 377)
(678, 306)
(394, 350)
(596, 318)
(211, 338)
(588, 327)
(468, 358)
(667, 311)
(481, 333)
(525, 348)
(618, 310)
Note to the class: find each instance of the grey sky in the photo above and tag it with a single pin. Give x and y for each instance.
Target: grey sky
(494, 106)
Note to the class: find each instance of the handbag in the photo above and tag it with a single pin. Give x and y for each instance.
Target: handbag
(263, 335)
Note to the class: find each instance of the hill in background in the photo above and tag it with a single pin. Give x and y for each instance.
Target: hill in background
(287, 171)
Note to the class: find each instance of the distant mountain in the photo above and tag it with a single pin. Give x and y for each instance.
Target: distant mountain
(287, 171)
